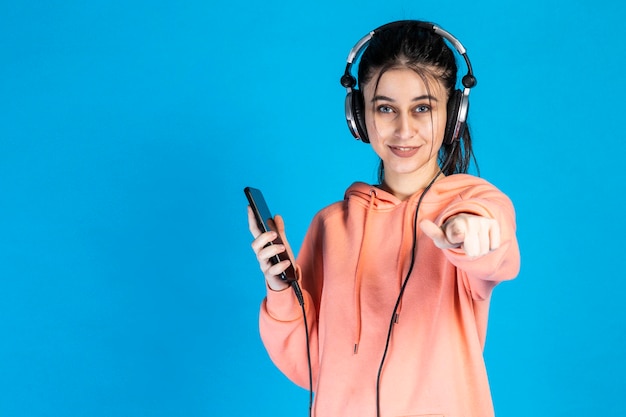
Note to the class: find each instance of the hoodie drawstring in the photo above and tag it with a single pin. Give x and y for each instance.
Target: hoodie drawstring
(359, 272)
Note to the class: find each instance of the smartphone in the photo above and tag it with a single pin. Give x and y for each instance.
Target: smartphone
(265, 221)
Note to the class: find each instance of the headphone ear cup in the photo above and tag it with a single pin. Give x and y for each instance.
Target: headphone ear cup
(454, 106)
(358, 111)
(354, 115)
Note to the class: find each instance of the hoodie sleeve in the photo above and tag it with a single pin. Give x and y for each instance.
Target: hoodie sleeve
(484, 273)
(281, 322)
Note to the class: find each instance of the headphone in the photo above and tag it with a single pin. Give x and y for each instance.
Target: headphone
(458, 102)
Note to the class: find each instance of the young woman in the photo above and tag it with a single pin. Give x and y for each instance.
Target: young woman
(397, 276)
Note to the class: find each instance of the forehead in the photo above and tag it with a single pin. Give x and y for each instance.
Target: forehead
(403, 80)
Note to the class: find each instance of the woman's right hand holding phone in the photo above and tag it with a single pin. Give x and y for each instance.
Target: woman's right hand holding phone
(264, 252)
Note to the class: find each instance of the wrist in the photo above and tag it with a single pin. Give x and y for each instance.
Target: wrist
(276, 284)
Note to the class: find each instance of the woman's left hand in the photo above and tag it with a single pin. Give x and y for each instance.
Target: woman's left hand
(476, 235)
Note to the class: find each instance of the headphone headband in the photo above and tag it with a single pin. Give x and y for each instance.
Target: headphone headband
(354, 99)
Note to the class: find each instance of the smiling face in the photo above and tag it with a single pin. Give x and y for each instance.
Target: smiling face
(405, 117)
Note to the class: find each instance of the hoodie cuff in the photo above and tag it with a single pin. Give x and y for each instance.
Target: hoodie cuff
(465, 207)
(283, 305)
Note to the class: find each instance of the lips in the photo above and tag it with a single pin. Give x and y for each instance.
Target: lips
(404, 151)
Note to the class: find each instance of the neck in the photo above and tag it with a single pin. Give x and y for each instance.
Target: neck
(403, 187)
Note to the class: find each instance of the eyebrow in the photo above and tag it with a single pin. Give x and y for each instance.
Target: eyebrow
(385, 98)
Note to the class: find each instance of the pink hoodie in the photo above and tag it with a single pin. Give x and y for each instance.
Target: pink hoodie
(352, 263)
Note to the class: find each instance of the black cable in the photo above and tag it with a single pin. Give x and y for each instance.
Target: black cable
(300, 297)
(395, 308)
(406, 280)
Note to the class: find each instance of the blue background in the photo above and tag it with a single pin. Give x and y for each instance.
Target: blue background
(129, 129)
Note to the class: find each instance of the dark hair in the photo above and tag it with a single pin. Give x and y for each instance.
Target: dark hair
(411, 45)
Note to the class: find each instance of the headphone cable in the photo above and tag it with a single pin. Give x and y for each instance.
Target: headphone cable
(298, 291)
(406, 279)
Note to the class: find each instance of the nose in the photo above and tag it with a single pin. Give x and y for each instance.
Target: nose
(405, 127)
